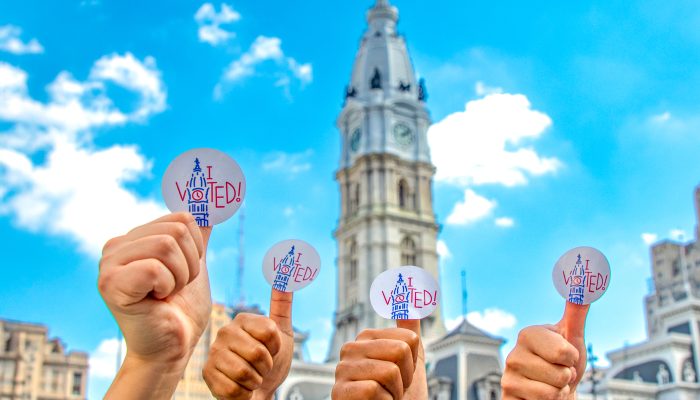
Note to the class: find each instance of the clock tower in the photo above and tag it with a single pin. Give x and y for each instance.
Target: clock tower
(385, 178)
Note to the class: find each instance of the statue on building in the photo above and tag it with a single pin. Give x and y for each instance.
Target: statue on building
(662, 376)
(376, 81)
(350, 91)
(422, 91)
(688, 371)
(636, 377)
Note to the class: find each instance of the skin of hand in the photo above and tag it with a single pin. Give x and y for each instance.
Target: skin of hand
(251, 356)
(383, 364)
(154, 281)
(548, 361)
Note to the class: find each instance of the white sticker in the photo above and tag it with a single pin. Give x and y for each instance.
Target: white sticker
(581, 275)
(291, 265)
(205, 182)
(406, 292)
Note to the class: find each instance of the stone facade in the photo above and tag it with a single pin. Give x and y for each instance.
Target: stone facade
(665, 365)
(36, 367)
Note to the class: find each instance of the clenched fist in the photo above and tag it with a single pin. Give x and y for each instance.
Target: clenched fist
(548, 361)
(383, 364)
(154, 281)
(251, 356)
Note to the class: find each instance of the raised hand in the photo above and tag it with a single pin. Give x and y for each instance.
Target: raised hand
(251, 356)
(548, 361)
(154, 281)
(383, 364)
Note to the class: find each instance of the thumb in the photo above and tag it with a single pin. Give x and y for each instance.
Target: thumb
(410, 324)
(206, 234)
(281, 310)
(572, 327)
(573, 323)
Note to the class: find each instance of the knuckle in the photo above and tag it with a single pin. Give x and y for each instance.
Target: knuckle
(562, 352)
(397, 351)
(563, 378)
(348, 350)
(180, 230)
(110, 243)
(259, 353)
(391, 373)
(507, 384)
(513, 362)
(166, 244)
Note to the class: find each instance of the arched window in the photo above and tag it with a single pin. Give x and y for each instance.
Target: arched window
(403, 194)
(354, 198)
(408, 251)
(353, 261)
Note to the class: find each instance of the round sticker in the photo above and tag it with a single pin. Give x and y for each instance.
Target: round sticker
(205, 182)
(581, 275)
(406, 292)
(291, 265)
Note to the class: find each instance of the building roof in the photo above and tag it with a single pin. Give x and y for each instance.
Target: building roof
(465, 328)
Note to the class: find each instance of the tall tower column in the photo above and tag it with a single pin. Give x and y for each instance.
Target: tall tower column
(385, 178)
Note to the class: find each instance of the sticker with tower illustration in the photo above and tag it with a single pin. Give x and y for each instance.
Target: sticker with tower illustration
(205, 182)
(406, 292)
(291, 265)
(581, 275)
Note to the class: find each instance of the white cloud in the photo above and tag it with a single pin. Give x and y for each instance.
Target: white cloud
(678, 234)
(141, 77)
(473, 208)
(492, 320)
(661, 118)
(209, 21)
(76, 189)
(76, 106)
(442, 250)
(263, 49)
(649, 238)
(504, 222)
(487, 143)
(10, 41)
(103, 360)
(290, 163)
(481, 89)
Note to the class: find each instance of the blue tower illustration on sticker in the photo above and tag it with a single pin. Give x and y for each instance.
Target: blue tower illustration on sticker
(399, 300)
(577, 282)
(198, 195)
(285, 268)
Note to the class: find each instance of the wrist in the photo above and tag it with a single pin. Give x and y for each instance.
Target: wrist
(140, 378)
(261, 395)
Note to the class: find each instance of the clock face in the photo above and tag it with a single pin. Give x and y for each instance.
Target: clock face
(355, 139)
(403, 134)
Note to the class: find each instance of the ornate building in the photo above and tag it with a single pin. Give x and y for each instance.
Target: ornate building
(34, 367)
(385, 177)
(665, 365)
(387, 220)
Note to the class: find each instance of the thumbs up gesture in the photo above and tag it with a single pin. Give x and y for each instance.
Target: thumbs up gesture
(548, 361)
(251, 356)
(383, 364)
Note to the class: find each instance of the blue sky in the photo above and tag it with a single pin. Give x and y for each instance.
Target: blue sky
(580, 128)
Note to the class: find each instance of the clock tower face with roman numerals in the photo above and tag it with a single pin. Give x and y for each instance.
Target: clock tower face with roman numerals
(385, 177)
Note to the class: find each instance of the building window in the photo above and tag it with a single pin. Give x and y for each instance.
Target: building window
(77, 389)
(403, 194)
(8, 344)
(408, 251)
(355, 198)
(353, 261)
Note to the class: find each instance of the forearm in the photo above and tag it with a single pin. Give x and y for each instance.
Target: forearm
(138, 379)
